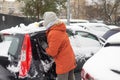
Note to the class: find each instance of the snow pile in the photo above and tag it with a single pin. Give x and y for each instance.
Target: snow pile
(13, 68)
(33, 27)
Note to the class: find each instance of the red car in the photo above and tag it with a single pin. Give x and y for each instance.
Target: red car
(26, 58)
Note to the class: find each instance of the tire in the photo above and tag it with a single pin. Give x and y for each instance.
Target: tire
(4, 61)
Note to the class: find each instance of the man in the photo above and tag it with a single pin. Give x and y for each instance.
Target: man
(59, 46)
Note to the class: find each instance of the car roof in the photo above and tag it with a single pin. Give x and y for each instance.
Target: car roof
(92, 24)
(76, 20)
(112, 26)
(22, 29)
(77, 28)
(74, 27)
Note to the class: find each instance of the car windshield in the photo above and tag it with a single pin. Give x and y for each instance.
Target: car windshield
(87, 35)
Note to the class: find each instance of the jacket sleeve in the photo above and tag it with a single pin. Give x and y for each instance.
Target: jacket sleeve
(54, 41)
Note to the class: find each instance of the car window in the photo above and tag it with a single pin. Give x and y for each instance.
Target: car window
(14, 46)
(109, 33)
(5, 41)
(4, 37)
(87, 35)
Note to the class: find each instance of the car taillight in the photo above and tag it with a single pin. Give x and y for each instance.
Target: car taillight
(26, 57)
(82, 73)
(86, 76)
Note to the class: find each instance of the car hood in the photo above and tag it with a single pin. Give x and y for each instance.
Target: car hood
(100, 65)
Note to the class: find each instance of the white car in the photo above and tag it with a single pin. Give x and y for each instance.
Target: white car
(97, 28)
(84, 43)
(113, 26)
(105, 64)
(24, 56)
(73, 21)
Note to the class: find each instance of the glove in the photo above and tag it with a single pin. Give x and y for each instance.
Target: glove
(44, 45)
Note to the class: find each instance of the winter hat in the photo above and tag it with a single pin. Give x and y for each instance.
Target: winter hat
(49, 19)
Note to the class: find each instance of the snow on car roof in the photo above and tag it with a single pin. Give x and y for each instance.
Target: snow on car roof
(92, 24)
(74, 27)
(77, 28)
(75, 21)
(112, 26)
(31, 28)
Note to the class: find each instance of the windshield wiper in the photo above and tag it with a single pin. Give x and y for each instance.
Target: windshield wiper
(115, 71)
(111, 44)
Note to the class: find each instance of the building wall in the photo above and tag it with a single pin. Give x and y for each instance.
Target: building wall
(11, 7)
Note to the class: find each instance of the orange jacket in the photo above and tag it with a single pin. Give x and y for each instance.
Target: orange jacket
(60, 49)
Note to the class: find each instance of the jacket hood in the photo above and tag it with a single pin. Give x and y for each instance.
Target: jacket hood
(60, 26)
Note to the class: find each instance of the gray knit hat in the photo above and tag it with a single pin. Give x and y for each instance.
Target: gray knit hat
(49, 18)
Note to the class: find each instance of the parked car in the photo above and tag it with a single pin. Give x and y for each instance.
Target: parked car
(97, 28)
(96, 21)
(104, 65)
(5, 41)
(112, 26)
(25, 59)
(82, 37)
(73, 21)
(25, 56)
(109, 33)
(85, 44)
